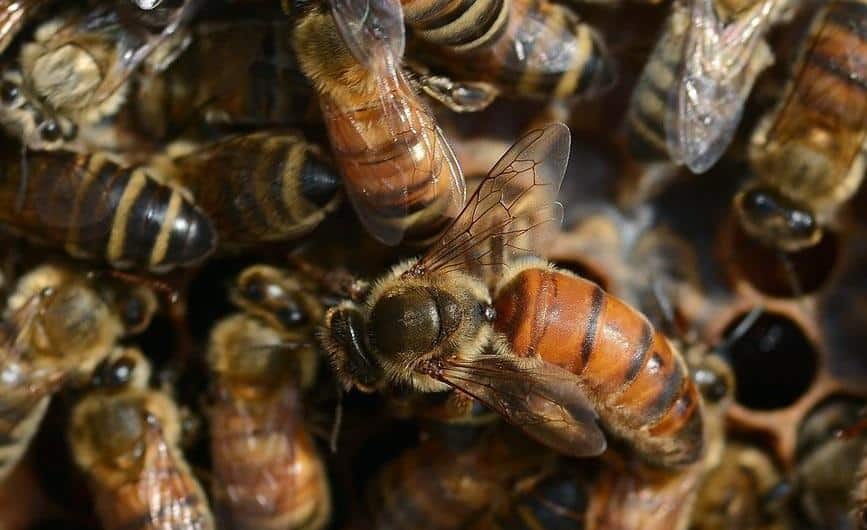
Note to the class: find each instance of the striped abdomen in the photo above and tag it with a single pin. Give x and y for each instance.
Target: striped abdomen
(267, 476)
(397, 167)
(241, 72)
(651, 98)
(526, 47)
(260, 187)
(638, 382)
(158, 498)
(20, 416)
(810, 148)
(97, 209)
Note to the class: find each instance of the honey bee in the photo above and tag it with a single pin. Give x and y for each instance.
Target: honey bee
(241, 73)
(259, 187)
(96, 209)
(451, 480)
(825, 477)
(537, 49)
(398, 169)
(737, 494)
(268, 474)
(56, 328)
(690, 96)
(807, 153)
(126, 442)
(74, 73)
(543, 348)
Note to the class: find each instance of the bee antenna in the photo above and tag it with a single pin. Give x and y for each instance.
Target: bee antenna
(791, 275)
(338, 419)
(170, 292)
(741, 329)
(664, 303)
(22, 184)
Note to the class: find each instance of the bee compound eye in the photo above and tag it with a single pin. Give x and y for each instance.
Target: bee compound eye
(9, 92)
(50, 131)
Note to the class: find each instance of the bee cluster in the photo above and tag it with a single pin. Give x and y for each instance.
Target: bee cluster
(433, 264)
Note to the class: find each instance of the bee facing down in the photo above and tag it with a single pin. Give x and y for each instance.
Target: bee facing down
(545, 349)
(398, 170)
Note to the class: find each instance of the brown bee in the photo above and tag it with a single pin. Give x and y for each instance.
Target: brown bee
(241, 72)
(126, 442)
(452, 480)
(259, 187)
(807, 153)
(73, 74)
(689, 98)
(56, 328)
(96, 209)
(398, 169)
(268, 474)
(545, 349)
(523, 48)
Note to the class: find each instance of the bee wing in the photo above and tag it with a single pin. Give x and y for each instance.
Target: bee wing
(168, 495)
(540, 398)
(513, 209)
(720, 64)
(372, 29)
(268, 440)
(133, 56)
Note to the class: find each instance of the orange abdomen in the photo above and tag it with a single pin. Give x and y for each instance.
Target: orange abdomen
(395, 163)
(638, 382)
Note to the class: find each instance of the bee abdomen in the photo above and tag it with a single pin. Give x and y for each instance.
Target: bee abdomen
(97, 209)
(261, 186)
(651, 98)
(630, 370)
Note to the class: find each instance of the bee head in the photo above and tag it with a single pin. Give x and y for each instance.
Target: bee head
(776, 220)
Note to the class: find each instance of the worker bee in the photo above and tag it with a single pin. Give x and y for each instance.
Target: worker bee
(268, 474)
(807, 153)
(74, 73)
(690, 96)
(825, 477)
(56, 328)
(543, 348)
(238, 73)
(451, 480)
(126, 442)
(96, 209)
(538, 49)
(259, 187)
(398, 169)
(739, 493)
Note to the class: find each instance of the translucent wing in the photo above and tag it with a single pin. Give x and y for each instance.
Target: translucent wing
(511, 211)
(394, 158)
(133, 56)
(542, 399)
(245, 434)
(167, 492)
(147, 4)
(372, 29)
(720, 64)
